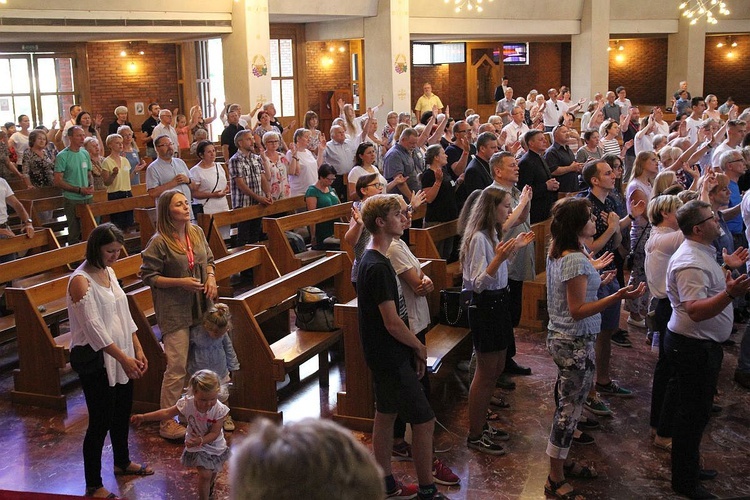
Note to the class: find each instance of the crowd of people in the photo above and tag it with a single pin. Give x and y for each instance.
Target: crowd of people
(644, 214)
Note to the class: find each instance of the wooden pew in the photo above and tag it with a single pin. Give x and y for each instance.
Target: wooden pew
(283, 255)
(88, 213)
(145, 225)
(355, 408)
(37, 192)
(146, 390)
(211, 223)
(41, 355)
(36, 206)
(534, 305)
(422, 242)
(265, 362)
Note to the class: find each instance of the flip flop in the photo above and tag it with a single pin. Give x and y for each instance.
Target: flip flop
(143, 470)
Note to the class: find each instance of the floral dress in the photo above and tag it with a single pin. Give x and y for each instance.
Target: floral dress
(280, 187)
(40, 168)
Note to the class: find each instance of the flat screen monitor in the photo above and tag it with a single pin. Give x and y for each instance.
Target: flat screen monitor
(514, 53)
(448, 53)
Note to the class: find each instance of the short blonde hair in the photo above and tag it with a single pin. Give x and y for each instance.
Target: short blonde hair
(668, 203)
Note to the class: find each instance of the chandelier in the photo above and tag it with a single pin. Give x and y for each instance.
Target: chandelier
(469, 4)
(696, 9)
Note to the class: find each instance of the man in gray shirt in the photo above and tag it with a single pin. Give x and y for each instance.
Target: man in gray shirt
(167, 172)
(399, 160)
(339, 153)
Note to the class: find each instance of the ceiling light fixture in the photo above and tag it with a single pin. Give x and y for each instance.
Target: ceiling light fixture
(469, 4)
(696, 9)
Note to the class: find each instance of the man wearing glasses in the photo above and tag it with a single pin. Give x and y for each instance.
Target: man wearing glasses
(460, 152)
(701, 294)
(733, 165)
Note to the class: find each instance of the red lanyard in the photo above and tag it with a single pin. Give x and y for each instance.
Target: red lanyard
(188, 251)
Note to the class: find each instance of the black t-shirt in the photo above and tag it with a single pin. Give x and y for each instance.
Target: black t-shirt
(597, 208)
(444, 207)
(227, 137)
(377, 283)
(148, 128)
(454, 154)
(114, 126)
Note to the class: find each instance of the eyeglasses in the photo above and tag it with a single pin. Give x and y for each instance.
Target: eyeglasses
(409, 210)
(272, 142)
(712, 216)
(331, 179)
(378, 185)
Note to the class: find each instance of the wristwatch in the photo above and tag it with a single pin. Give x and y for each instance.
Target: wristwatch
(29, 221)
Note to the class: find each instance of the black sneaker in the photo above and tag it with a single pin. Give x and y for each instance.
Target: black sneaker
(494, 433)
(588, 425)
(621, 340)
(485, 445)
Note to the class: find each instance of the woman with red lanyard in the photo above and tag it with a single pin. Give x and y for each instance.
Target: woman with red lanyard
(179, 267)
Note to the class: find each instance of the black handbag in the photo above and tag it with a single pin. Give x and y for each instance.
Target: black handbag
(85, 360)
(314, 310)
(454, 307)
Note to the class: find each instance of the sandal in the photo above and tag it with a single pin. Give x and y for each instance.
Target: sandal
(92, 490)
(499, 402)
(492, 416)
(551, 487)
(142, 470)
(663, 443)
(575, 469)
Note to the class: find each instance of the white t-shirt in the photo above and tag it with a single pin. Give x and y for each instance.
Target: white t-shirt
(21, 142)
(5, 191)
(308, 172)
(357, 172)
(199, 424)
(416, 306)
(206, 179)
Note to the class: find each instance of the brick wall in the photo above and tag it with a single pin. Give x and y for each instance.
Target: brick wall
(443, 79)
(544, 71)
(113, 82)
(725, 76)
(641, 68)
(326, 71)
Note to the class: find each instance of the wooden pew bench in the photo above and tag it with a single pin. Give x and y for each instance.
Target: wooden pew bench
(211, 223)
(266, 360)
(423, 244)
(355, 408)
(146, 390)
(534, 305)
(41, 355)
(54, 206)
(88, 215)
(283, 255)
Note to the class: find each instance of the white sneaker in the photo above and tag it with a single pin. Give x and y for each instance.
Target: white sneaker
(639, 324)
(228, 424)
(169, 429)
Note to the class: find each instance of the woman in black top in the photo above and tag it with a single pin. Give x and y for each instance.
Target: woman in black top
(440, 195)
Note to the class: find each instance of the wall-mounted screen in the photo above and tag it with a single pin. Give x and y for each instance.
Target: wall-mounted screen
(428, 54)
(513, 53)
(448, 53)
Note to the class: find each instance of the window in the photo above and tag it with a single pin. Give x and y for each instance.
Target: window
(38, 85)
(282, 76)
(210, 82)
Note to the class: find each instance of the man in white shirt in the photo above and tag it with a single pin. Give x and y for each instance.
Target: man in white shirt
(553, 110)
(339, 153)
(75, 110)
(736, 130)
(701, 294)
(165, 128)
(693, 122)
(516, 129)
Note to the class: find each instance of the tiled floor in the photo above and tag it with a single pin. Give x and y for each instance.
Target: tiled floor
(41, 449)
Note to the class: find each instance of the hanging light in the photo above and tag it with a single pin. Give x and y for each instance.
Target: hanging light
(470, 5)
(696, 9)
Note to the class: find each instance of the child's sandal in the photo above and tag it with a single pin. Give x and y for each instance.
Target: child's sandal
(551, 489)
